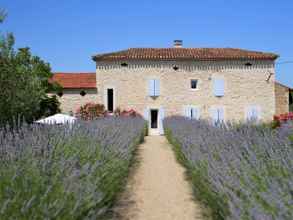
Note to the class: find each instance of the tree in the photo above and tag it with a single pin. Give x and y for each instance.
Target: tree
(2, 15)
(291, 101)
(24, 83)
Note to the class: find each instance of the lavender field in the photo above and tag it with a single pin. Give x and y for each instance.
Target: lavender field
(238, 171)
(62, 172)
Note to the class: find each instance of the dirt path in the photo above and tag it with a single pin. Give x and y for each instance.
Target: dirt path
(157, 189)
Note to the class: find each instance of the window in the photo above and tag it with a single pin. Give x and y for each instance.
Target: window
(217, 114)
(154, 87)
(82, 93)
(253, 113)
(124, 64)
(175, 68)
(219, 86)
(191, 112)
(193, 84)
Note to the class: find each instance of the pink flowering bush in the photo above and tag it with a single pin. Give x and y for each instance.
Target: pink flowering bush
(284, 117)
(91, 111)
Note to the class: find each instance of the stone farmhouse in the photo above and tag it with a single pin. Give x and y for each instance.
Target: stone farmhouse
(219, 84)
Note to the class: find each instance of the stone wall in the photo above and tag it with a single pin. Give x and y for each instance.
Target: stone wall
(71, 99)
(245, 85)
(282, 99)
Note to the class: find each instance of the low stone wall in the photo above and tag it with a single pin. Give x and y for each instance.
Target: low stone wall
(282, 99)
(71, 99)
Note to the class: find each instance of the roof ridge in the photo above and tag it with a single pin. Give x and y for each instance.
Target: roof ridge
(204, 53)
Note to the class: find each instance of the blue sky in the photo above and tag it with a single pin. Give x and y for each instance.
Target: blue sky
(67, 33)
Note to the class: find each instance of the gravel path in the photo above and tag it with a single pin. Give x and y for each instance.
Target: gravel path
(157, 189)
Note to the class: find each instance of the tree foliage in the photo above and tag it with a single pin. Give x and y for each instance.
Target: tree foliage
(2, 15)
(291, 101)
(23, 83)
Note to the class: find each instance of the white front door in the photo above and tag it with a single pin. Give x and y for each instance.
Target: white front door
(154, 122)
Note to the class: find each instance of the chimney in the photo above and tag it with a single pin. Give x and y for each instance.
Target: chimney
(178, 43)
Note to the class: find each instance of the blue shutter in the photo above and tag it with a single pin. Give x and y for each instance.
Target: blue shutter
(157, 87)
(151, 87)
(219, 87)
(161, 118)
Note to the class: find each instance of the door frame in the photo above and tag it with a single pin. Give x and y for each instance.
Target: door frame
(106, 97)
(154, 131)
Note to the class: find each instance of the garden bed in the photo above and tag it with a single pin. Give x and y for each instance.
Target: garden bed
(63, 172)
(238, 171)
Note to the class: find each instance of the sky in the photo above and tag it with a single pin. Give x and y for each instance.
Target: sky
(67, 33)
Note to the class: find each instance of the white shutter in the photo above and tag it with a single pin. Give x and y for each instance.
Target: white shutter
(219, 87)
(253, 113)
(221, 114)
(217, 114)
(214, 114)
(157, 87)
(161, 118)
(146, 114)
(248, 113)
(185, 111)
(188, 112)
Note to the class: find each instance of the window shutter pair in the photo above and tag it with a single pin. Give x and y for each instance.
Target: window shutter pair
(253, 113)
(191, 112)
(154, 87)
(217, 114)
(219, 86)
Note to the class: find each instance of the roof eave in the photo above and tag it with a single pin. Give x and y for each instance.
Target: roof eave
(73, 87)
(103, 59)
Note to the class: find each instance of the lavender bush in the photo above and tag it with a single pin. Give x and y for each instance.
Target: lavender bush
(239, 171)
(62, 172)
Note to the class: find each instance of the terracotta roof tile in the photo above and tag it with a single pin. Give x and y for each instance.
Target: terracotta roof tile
(196, 54)
(75, 80)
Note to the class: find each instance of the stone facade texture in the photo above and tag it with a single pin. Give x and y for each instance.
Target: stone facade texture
(71, 99)
(245, 85)
(282, 99)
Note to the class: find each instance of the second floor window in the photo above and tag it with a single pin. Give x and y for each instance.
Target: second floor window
(154, 87)
(219, 86)
(193, 84)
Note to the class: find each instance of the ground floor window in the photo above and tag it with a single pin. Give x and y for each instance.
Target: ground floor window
(217, 114)
(253, 113)
(191, 112)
